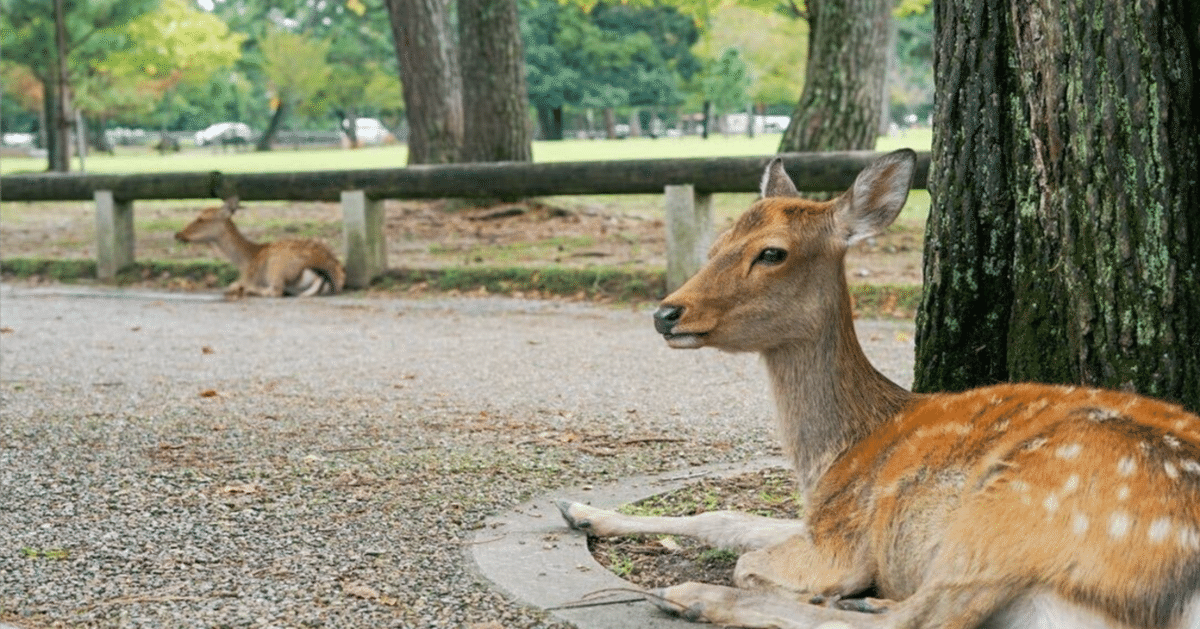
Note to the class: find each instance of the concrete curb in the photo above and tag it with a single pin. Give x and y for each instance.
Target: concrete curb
(529, 553)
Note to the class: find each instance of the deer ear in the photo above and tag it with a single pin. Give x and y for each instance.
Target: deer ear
(775, 181)
(877, 196)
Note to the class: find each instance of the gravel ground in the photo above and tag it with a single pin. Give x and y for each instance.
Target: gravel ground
(170, 460)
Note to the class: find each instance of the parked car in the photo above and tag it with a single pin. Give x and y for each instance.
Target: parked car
(371, 131)
(225, 133)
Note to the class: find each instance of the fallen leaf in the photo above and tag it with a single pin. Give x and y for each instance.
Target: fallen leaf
(245, 488)
(669, 543)
(6, 330)
(359, 590)
(206, 350)
(209, 393)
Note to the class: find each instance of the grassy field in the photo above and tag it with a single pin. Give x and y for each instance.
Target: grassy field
(140, 160)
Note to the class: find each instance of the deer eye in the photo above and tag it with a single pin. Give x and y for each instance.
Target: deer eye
(771, 256)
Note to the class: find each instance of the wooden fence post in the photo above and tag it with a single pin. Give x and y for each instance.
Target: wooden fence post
(689, 232)
(114, 235)
(366, 255)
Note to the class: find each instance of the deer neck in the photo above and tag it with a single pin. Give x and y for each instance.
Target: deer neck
(828, 396)
(233, 245)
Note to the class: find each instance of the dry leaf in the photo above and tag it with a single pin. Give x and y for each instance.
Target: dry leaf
(209, 393)
(6, 330)
(245, 488)
(669, 543)
(206, 350)
(359, 590)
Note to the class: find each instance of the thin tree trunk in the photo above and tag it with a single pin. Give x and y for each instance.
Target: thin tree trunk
(1065, 161)
(267, 138)
(496, 125)
(840, 106)
(61, 157)
(430, 77)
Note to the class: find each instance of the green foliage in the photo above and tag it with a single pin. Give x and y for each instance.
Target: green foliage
(296, 69)
(726, 81)
(606, 56)
(773, 46)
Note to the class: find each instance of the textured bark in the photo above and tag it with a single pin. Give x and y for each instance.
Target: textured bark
(429, 74)
(967, 300)
(840, 106)
(496, 125)
(1101, 188)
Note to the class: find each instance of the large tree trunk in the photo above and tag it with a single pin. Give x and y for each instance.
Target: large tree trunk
(840, 106)
(496, 125)
(429, 74)
(1064, 241)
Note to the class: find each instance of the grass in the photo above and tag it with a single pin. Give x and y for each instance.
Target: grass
(144, 160)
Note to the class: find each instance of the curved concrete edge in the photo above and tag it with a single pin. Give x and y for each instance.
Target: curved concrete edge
(530, 554)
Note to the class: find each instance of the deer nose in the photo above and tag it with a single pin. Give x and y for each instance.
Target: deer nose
(180, 237)
(666, 317)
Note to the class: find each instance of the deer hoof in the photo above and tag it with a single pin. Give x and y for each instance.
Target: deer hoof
(579, 524)
(690, 613)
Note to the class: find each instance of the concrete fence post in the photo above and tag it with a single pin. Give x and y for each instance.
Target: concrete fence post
(689, 232)
(362, 221)
(114, 235)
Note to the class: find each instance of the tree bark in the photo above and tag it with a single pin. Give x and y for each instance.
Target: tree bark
(1065, 241)
(430, 77)
(496, 125)
(60, 156)
(840, 105)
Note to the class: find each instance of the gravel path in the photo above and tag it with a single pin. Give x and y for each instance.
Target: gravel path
(171, 460)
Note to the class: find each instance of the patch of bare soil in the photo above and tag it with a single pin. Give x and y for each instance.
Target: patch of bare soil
(429, 234)
(662, 561)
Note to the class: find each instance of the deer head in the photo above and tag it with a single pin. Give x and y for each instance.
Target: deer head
(211, 224)
(777, 276)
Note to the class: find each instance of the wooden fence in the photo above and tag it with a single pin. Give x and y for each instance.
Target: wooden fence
(687, 186)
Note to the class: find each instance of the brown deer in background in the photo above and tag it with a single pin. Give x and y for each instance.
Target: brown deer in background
(291, 266)
(1015, 505)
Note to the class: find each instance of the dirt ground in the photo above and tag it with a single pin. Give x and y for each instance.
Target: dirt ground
(619, 232)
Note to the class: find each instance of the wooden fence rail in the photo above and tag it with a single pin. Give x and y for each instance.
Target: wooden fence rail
(686, 183)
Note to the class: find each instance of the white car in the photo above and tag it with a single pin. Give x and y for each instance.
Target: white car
(225, 133)
(371, 131)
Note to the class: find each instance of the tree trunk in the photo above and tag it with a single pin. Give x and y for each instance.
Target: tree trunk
(266, 139)
(840, 106)
(60, 157)
(496, 125)
(1064, 240)
(429, 75)
(550, 121)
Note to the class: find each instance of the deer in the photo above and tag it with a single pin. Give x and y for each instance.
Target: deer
(288, 267)
(1014, 505)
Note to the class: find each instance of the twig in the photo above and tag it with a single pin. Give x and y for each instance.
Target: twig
(642, 595)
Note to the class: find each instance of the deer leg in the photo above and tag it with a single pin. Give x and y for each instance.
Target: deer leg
(945, 606)
(798, 570)
(725, 529)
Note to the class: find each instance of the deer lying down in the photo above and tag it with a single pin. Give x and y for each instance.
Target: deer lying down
(1016, 505)
(285, 267)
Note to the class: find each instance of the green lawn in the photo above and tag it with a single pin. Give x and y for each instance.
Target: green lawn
(138, 160)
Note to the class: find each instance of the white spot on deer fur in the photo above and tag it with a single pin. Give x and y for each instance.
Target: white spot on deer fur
(1069, 452)
(1172, 441)
(1189, 537)
(1051, 503)
(1079, 523)
(1190, 466)
(1126, 466)
(1123, 493)
(1119, 524)
(1072, 484)
(1160, 529)
(1171, 470)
